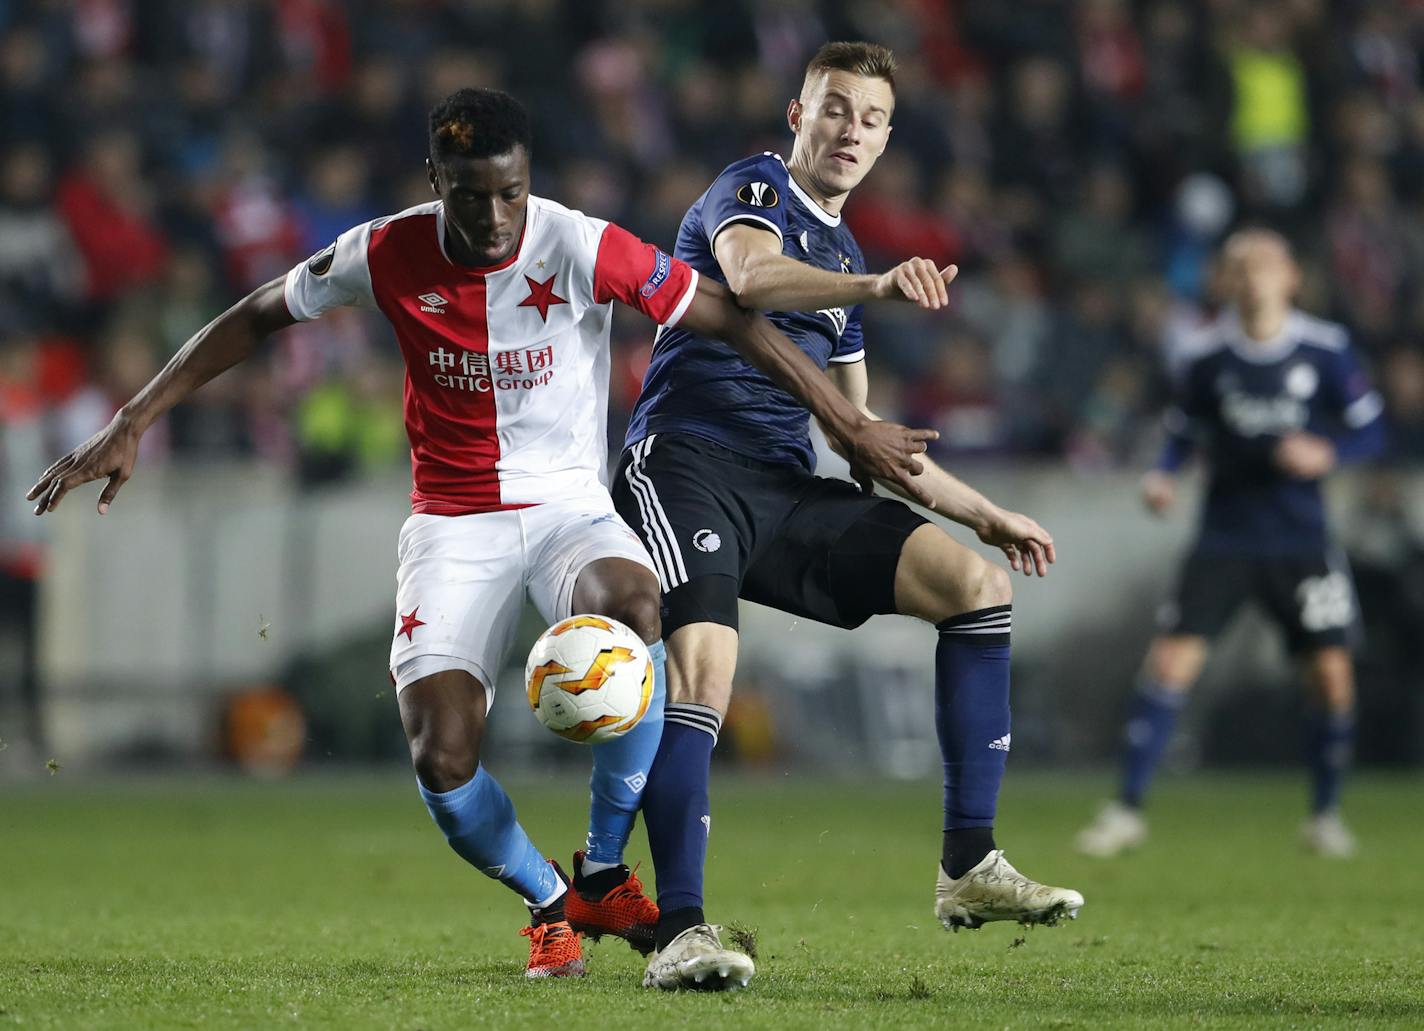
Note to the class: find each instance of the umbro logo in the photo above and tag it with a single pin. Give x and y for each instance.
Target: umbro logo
(433, 303)
(1001, 744)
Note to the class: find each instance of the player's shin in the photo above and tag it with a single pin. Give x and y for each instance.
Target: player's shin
(1150, 723)
(620, 773)
(677, 814)
(972, 722)
(1330, 739)
(478, 820)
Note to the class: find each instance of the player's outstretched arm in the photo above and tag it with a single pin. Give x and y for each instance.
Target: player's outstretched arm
(218, 346)
(1028, 546)
(876, 450)
(766, 280)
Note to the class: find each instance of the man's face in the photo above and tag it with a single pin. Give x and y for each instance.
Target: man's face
(484, 200)
(1259, 272)
(842, 123)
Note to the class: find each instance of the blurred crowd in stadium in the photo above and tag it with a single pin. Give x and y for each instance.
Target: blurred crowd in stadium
(1077, 160)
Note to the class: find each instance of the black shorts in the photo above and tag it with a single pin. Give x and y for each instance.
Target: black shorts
(720, 525)
(1311, 598)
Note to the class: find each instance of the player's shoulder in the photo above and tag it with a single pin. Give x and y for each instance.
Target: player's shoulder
(1199, 345)
(549, 218)
(765, 167)
(1320, 334)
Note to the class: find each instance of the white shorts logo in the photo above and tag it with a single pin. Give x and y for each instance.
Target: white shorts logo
(706, 540)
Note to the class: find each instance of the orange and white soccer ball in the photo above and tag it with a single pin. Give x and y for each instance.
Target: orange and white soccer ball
(589, 678)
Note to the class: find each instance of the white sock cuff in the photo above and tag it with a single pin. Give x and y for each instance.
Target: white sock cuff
(698, 717)
(558, 894)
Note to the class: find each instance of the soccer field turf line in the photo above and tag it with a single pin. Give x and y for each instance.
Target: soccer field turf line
(332, 901)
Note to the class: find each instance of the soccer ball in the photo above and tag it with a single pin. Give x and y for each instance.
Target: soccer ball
(589, 678)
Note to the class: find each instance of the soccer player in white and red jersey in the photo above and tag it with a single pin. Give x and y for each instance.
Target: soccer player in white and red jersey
(501, 303)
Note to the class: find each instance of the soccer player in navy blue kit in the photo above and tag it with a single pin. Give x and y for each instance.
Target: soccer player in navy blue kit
(1273, 399)
(718, 480)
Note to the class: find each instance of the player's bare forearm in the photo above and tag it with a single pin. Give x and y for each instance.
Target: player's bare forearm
(953, 498)
(875, 450)
(1028, 546)
(940, 490)
(229, 339)
(218, 346)
(765, 279)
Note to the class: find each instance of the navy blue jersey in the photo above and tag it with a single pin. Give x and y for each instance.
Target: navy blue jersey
(703, 387)
(1237, 398)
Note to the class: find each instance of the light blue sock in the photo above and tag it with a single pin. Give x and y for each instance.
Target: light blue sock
(478, 821)
(620, 772)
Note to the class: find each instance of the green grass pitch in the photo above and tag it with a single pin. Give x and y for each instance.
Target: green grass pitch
(332, 901)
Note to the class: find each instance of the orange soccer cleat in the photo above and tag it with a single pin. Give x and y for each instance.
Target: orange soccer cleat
(554, 950)
(595, 908)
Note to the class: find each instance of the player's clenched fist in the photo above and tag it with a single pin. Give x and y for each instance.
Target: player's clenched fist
(110, 454)
(919, 280)
(878, 450)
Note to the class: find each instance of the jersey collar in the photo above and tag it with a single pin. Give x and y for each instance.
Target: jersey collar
(482, 270)
(1260, 352)
(806, 201)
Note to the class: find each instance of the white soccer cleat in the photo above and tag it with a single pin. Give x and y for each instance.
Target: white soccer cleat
(1327, 835)
(994, 890)
(697, 959)
(1113, 831)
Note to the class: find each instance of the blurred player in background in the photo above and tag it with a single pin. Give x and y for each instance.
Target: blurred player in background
(718, 479)
(501, 303)
(1273, 399)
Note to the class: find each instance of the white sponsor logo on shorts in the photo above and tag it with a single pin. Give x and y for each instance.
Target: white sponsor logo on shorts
(706, 540)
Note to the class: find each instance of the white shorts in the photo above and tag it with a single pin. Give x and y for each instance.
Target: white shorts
(461, 583)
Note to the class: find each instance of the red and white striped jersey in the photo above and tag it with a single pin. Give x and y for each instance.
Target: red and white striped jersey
(506, 390)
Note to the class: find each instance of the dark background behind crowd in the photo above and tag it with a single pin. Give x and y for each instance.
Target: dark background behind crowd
(1079, 161)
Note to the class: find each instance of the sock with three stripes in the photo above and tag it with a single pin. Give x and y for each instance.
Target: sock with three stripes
(972, 721)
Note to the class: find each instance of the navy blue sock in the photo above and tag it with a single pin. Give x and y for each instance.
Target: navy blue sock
(1149, 727)
(677, 815)
(972, 721)
(1330, 740)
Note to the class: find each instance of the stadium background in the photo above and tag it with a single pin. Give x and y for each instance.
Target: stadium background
(1078, 161)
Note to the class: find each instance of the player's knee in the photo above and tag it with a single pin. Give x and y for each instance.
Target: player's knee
(443, 766)
(998, 586)
(634, 604)
(986, 586)
(1174, 662)
(1332, 679)
(443, 754)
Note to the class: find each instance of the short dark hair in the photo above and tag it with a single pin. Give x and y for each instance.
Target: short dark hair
(869, 59)
(477, 123)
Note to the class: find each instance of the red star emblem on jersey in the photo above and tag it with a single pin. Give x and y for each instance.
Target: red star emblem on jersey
(541, 296)
(409, 623)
